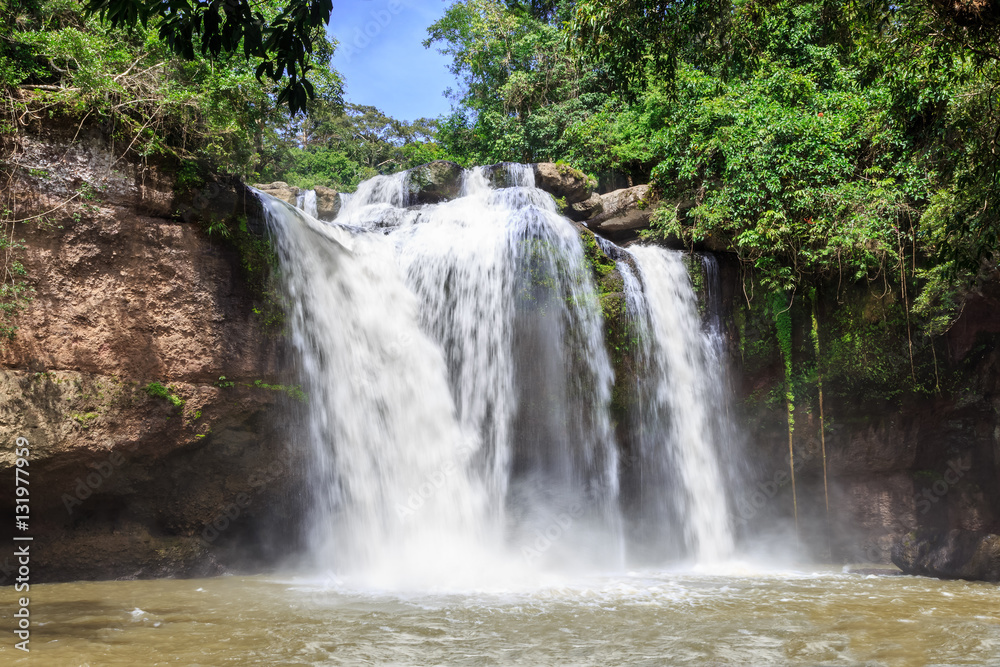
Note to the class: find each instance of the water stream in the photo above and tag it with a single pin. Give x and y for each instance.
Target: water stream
(679, 408)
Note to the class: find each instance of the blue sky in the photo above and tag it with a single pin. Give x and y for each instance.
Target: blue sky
(383, 61)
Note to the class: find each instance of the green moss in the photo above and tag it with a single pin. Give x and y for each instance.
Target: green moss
(565, 169)
(85, 419)
(295, 392)
(259, 265)
(620, 341)
(611, 283)
(157, 390)
(600, 264)
(613, 309)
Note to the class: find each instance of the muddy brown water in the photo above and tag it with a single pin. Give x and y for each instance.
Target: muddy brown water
(640, 618)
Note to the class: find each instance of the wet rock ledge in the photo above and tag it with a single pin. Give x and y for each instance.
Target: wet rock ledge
(951, 554)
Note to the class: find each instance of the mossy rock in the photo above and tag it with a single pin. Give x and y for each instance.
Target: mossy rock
(433, 182)
(563, 181)
(600, 264)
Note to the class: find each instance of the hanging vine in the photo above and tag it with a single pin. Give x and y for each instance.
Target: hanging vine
(15, 293)
(783, 325)
(822, 420)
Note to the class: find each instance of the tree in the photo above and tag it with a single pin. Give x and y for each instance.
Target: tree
(283, 41)
(338, 146)
(521, 88)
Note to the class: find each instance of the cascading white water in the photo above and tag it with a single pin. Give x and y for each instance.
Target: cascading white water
(458, 382)
(306, 200)
(380, 413)
(460, 389)
(680, 393)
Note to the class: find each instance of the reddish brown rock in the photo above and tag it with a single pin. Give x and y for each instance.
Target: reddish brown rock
(127, 293)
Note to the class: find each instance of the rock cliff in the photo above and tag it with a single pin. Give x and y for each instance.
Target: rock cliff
(140, 374)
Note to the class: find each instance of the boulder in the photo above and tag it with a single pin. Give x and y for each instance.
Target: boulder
(281, 190)
(624, 211)
(586, 209)
(953, 554)
(433, 182)
(327, 203)
(563, 182)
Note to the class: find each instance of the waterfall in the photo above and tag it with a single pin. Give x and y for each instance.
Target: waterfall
(680, 416)
(458, 383)
(460, 389)
(380, 419)
(309, 203)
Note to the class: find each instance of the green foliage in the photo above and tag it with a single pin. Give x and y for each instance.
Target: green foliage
(294, 392)
(863, 355)
(157, 390)
(520, 86)
(600, 264)
(781, 310)
(338, 147)
(280, 41)
(802, 177)
(189, 176)
(206, 109)
(940, 301)
(818, 140)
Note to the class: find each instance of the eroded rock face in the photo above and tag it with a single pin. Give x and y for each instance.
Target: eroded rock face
(434, 182)
(126, 296)
(623, 211)
(586, 209)
(953, 554)
(897, 461)
(563, 182)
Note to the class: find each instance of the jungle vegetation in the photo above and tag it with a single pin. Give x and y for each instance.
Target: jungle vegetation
(819, 140)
